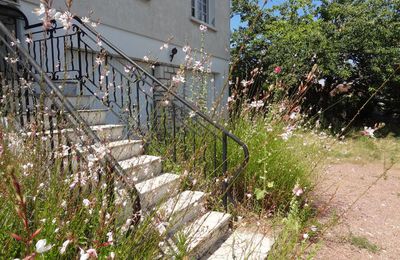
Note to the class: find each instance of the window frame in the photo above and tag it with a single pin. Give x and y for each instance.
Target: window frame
(201, 10)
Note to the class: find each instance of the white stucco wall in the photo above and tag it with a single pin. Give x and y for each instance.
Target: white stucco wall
(141, 27)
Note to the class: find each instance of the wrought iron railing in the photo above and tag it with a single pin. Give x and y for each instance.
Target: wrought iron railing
(172, 127)
(38, 106)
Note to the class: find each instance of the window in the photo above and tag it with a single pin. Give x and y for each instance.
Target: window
(202, 10)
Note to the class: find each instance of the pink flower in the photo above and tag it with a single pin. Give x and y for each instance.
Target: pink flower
(297, 190)
(277, 70)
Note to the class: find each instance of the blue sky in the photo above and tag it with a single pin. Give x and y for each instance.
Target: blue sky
(235, 21)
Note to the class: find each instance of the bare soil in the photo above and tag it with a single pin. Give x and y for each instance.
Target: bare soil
(375, 217)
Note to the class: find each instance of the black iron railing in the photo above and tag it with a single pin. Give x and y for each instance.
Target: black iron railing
(38, 106)
(172, 127)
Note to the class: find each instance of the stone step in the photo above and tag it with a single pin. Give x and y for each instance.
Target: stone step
(201, 235)
(120, 150)
(94, 116)
(154, 190)
(243, 245)
(142, 168)
(85, 102)
(106, 133)
(70, 88)
(181, 209)
(125, 149)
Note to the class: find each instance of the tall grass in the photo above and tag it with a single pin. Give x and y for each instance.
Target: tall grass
(38, 202)
(276, 166)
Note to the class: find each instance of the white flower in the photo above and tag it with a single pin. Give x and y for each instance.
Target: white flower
(41, 246)
(368, 131)
(257, 104)
(28, 40)
(112, 255)
(203, 28)
(186, 48)
(146, 59)
(178, 79)
(322, 82)
(305, 235)
(89, 253)
(85, 19)
(17, 42)
(93, 24)
(64, 246)
(86, 202)
(313, 228)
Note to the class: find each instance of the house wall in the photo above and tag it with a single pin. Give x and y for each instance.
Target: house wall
(140, 27)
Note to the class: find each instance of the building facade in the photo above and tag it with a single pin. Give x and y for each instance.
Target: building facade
(154, 30)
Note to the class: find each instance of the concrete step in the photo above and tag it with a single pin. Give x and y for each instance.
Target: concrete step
(243, 245)
(106, 133)
(94, 116)
(142, 168)
(181, 209)
(85, 102)
(204, 232)
(70, 88)
(154, 190)
(125, 149)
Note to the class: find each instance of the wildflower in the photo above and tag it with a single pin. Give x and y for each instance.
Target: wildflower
(178, 79)
(322, 82)
(42, 247)
(186, 48)
(203, 28)
(277, 70)
(65, 19)
(86, 202)
(112, 255)
(248, 195)
(313, 228)
(164, 46)
(297, 190)
(369, 131)
(93, 24)
(305, 236)
(88, 254)
(28, 40)
(99, 61)
(64, 246)
(85, 19)
(257, 104)
(17, 42)
(288, 133)
(146, 59)
(192, 114)
(110, 238)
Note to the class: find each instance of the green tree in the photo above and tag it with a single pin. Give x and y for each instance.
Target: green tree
(355, 43)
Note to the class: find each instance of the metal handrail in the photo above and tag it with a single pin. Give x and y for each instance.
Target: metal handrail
(75, 118)
(189, 105)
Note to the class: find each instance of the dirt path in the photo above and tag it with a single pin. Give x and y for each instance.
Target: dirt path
(371, 229)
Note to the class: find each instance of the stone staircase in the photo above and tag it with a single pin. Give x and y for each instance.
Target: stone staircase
(178, 214)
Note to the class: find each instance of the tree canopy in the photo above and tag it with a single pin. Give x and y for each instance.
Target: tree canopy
(354, 43)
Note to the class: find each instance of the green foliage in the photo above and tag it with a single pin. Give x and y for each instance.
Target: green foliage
(355, 43)
(275, 167)
(36, 197)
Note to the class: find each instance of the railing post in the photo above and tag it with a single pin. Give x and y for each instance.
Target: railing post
(225, 169)
(78, 34)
